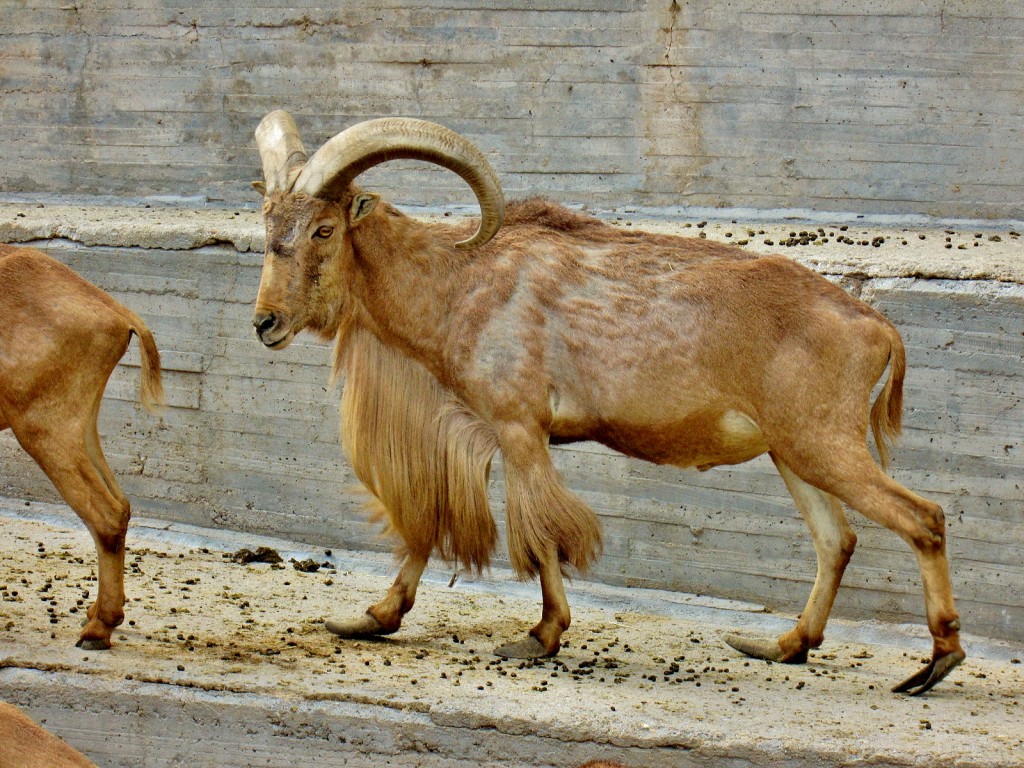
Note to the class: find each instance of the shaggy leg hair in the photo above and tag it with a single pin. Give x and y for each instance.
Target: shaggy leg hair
(539, 510)
(422, 455)
(426, 460)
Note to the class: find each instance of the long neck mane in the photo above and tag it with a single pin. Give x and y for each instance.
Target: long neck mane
(423, 456)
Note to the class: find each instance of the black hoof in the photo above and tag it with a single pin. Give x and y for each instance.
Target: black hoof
(926, 679)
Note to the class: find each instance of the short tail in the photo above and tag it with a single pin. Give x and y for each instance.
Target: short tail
(887, 411)
(151, 388)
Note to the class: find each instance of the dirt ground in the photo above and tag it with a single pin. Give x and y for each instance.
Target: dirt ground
(643, 676)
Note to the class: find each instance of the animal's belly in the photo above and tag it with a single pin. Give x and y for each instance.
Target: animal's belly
(701, 440)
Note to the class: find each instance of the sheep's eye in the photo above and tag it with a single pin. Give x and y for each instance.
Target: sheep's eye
(324, 232)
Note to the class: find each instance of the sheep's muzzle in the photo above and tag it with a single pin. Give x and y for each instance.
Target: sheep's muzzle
(272, 330)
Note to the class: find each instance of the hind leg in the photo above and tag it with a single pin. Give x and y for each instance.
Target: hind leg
(94, 451)
(860, 483)
(99, 461)
(63, 456)
(834, 542)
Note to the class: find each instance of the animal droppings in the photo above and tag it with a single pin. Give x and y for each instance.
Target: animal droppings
(261, 555)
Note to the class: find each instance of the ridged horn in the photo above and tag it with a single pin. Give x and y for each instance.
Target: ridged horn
(357, 149)
(280, 149)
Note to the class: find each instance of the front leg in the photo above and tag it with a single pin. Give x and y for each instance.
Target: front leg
(385, 617)
(547, 526)
(545, 638)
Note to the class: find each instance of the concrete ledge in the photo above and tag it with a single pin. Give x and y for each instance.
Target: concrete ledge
(220, 664)
(902, 252)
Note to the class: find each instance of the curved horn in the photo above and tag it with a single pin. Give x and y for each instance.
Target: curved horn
(337, 163)
(280, 149)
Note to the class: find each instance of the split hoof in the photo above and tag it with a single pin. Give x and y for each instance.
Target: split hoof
(769, 650)
(93, 644)
(95, 635)
(530, 648)
(365, 626)
(926, 679)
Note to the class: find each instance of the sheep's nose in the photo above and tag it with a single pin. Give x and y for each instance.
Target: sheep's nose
(263, 322)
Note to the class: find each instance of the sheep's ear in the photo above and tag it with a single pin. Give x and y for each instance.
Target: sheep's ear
(261, 187)
(362, 206)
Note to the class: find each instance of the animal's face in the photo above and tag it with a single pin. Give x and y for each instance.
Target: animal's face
(305, 270)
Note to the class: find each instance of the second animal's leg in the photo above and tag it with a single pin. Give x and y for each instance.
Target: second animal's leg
(64, 457)
(834, 542)
(95, 452)
(385, 617)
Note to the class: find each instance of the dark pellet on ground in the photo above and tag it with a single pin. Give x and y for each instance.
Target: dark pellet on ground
(261, 555)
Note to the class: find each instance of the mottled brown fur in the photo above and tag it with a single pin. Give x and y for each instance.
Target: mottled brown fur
(60, 339)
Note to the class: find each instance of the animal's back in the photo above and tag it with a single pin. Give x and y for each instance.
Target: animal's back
(626, 299)
(628, 314)
(525, 219)
(37, 285)
(33, 282)
(53, 319)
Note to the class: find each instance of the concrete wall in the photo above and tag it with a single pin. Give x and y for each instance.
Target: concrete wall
(250, 440)
(849, 105)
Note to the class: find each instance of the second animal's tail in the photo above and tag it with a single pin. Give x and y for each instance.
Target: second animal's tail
(887, 411)
(151, 388)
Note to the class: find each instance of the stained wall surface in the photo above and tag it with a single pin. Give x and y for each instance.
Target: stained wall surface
(911, 106)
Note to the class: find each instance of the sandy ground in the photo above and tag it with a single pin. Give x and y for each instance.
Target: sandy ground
(643, 676)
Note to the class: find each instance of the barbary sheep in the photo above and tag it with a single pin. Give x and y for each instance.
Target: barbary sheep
(549, 326)
(59, 342)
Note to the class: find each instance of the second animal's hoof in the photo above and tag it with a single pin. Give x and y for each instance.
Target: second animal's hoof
(365, 626)
(530, 648)
(769, 650)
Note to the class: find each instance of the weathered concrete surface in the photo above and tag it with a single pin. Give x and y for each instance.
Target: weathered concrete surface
(912, 106)
(220, 664)
(911, 247)
(250, 440)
